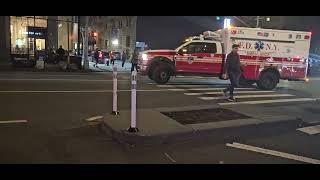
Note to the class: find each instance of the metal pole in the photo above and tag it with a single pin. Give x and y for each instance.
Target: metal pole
(258, 21)
(85, 44)
(68, 55)
(133, 125)
(115, 95)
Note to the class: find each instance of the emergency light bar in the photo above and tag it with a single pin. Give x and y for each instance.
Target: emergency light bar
(212, 35)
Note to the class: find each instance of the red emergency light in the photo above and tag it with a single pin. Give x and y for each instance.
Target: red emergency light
(233, 31)
(306, 37)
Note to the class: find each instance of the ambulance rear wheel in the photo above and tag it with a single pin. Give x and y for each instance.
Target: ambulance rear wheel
(268, 80)
(161, 75)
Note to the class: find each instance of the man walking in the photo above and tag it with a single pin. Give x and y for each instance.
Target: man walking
(232, 69)
(96, 57)
(61, 53)
(134, 60)
(124, 58)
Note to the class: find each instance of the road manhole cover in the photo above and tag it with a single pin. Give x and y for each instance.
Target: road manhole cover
(205, 116)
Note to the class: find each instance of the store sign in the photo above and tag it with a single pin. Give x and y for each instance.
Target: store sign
(36, 32)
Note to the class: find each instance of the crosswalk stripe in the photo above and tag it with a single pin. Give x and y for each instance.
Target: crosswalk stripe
(311, 130)
(213, 89)
(273, 153)
(248, 96)
(216, 93)
(165, 86)
(183, 86)
(206, 89)
(268, 101)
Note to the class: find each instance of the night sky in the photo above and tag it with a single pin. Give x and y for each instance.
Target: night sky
(167, 32)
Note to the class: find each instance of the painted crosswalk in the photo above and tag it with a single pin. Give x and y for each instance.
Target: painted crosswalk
(311, 130)
(219, 93)
(246, 95)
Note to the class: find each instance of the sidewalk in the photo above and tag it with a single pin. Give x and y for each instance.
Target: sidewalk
(104, 67)
(155, 127)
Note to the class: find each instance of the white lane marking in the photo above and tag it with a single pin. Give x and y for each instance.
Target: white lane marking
(170, 158)
(213, 89)
(185, 86)
(94, 118)
(274, 153)
(13, 121)
(314, 79)
(88, 91)
(76, 80)
(176, 89)
(311, 130)
(207, 89)
(248, 96)
(269, 101)
(237, 92)
(165, 86)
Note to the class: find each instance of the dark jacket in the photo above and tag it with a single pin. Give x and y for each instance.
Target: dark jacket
(135, 57)
(233, 64)
(96, 55)
(61, 52)
(124, 56)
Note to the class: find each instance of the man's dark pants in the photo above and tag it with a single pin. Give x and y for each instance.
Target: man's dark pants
(234, 82)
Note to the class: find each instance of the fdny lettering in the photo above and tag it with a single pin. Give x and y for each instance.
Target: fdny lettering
(250, 46)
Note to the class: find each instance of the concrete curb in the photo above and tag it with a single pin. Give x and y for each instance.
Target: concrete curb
(124, 137)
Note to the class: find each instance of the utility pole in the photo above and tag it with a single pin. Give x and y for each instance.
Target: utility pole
(85, 43)
(258, 21)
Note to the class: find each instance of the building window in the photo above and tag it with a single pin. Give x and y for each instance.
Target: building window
(128, 41)
(106, 43)
(127, 21)
(120, 24)
(30, 35)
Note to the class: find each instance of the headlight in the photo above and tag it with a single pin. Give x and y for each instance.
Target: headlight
(144, 57)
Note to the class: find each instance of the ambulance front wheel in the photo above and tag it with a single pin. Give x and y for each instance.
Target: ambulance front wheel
(161, 75)
(268, 80)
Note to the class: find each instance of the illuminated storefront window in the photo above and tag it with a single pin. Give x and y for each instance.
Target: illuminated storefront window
(33, 34)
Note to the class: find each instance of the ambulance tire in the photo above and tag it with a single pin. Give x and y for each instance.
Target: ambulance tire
(161, 74)
(268, 80)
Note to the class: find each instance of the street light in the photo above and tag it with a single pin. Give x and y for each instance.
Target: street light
(115, 42)
(227, 23)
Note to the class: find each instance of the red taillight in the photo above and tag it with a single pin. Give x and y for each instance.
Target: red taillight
(306, 37)
(260, 34)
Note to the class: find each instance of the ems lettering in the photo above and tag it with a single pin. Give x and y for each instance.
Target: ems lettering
(271, 47)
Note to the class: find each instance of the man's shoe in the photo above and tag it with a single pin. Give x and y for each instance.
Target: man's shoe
(230, 99)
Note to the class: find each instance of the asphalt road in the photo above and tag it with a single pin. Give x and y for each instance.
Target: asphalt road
(43, 120)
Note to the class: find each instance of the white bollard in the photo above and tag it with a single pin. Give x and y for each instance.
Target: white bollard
(133, 124)
(115, 95)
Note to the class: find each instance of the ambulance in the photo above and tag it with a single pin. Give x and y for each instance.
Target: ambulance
(266, 56)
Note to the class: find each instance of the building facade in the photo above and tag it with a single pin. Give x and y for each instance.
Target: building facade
(113, 33)
(25, 37)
